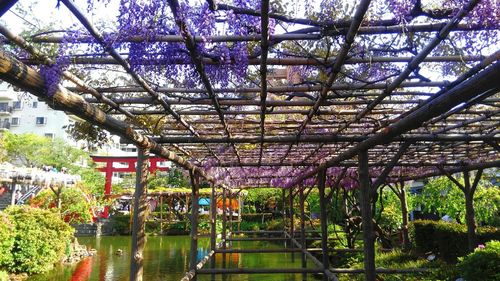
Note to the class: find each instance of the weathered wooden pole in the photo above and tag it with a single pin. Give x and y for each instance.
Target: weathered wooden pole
(224, 226)
(303, 232)
(365, 194)
(195, 192)
(283, 213)
(290, 206)
(404, 214)
(292, 227)
(161, 213)
(240, 210)
(213, 227)
(324, 222)
(231, 211)
(139, 217)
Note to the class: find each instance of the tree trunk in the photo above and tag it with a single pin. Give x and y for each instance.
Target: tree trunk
(470, 220)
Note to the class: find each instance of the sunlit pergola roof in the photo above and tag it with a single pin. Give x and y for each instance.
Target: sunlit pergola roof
(251, 94)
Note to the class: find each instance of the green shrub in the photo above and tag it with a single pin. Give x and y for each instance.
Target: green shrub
(177, 228)
(482, 264)
(41, 237)
(448, 240)
(152, 227)
(250, 226)
(4, 276)
(275, 225)
(257, 217)
(6, 241)
(396, 260)
(120, 224)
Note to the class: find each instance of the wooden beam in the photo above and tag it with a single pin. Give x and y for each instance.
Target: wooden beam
(484, 81)
(329, 138)
(388, 168)
(340, 58)
(29, 80)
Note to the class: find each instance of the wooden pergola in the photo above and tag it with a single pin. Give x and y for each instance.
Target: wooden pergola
(266, 133)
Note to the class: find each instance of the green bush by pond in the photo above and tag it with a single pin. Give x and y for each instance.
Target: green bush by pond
(40, 239)
(4, 276)
(6, 241)
(448, 240)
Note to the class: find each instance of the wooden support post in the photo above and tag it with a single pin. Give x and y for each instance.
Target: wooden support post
(139, 217)
(224, 227)
(324, 222)
(213, 227)
(283, 212)
(240, 210)
(365, 194)
(303, 232)
(292, 228)
(161, 214)
(193, 254)
(290, 202)
(230, 195)
(404, 214)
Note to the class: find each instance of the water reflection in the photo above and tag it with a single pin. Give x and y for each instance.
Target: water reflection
(166, 258)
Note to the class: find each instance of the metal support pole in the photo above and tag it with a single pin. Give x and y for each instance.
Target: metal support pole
(365, 194)
(195, 184)
(324, 222)
(303, 232)
(139, 217)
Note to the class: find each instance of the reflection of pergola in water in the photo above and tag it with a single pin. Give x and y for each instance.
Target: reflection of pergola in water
(364, 111)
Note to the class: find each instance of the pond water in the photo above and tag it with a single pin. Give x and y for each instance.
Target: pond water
(166, 258)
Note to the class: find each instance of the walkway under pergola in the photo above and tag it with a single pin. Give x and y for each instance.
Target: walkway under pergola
(368, 117)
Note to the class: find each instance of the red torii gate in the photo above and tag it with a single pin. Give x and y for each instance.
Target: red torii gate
(130, 168)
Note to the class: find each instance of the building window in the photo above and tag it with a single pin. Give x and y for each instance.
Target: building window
(41, 120)
(4, 107)
(6, 123)
(35, 104)
(49, 135)
(15, 121)
(17, 105)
